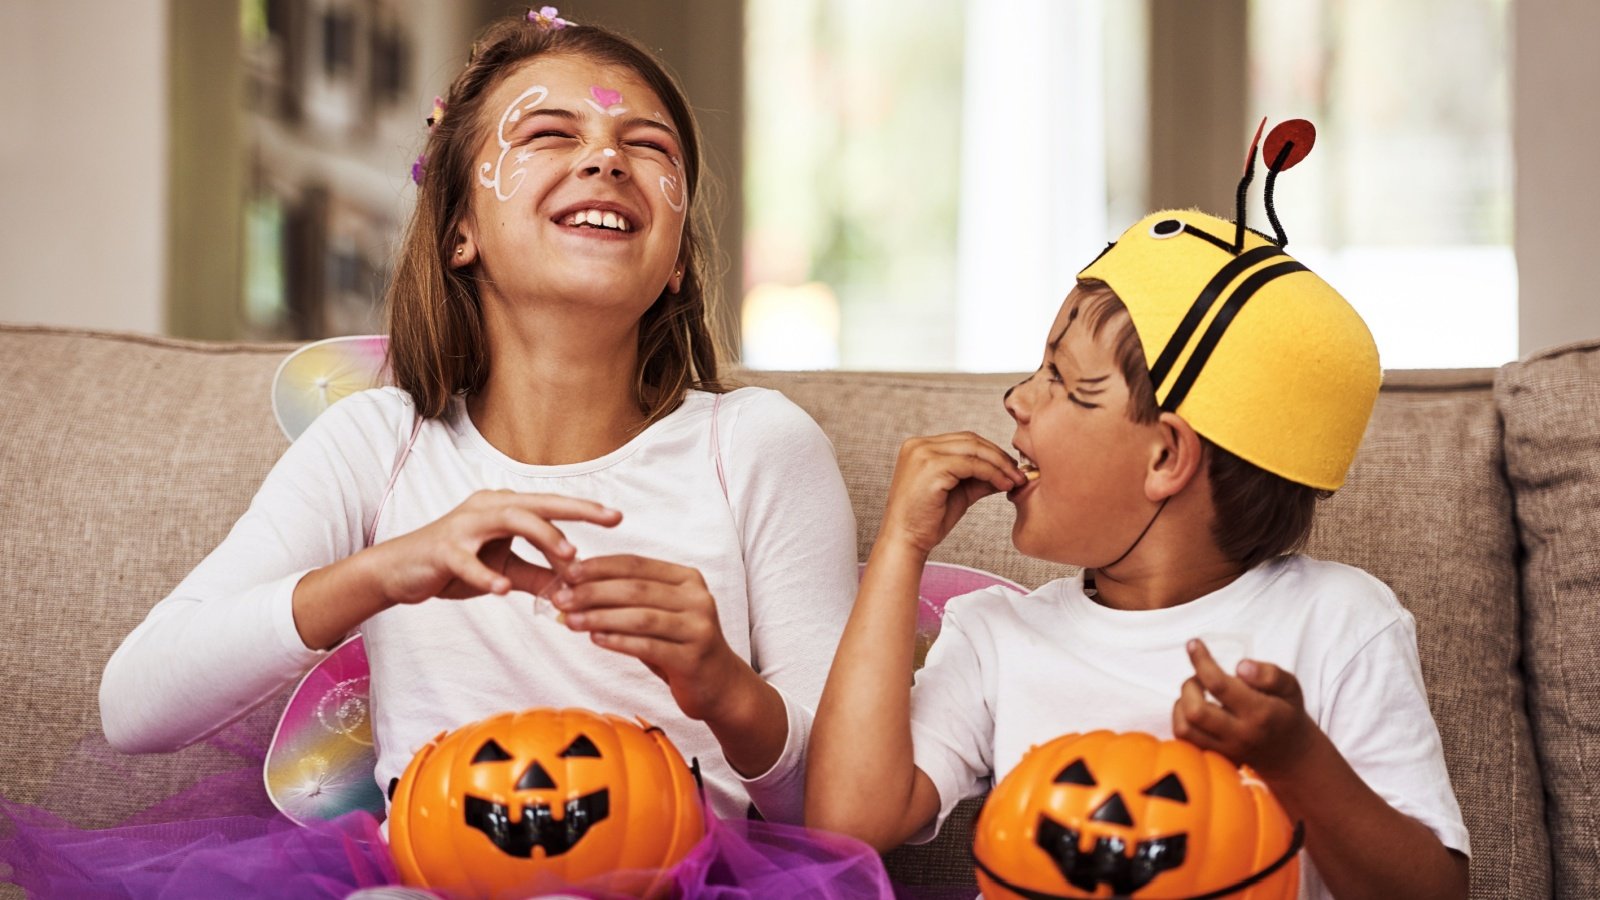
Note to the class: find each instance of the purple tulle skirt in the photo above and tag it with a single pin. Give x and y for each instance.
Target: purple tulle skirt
(222, 837)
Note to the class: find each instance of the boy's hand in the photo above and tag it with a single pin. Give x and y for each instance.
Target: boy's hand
(937, 479)
(1258, 719)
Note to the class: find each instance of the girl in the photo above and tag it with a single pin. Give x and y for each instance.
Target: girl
(557, 433)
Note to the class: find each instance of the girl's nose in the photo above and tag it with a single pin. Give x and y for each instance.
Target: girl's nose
(605, 162)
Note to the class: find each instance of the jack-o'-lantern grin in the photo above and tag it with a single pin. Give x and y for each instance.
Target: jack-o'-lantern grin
(537, 827)
(1109, 863)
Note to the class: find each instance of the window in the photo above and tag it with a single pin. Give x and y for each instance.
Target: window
(925, 178)
(1405, 204)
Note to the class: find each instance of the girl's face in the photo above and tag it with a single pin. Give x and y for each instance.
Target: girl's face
(579, 192)
(1088, 504)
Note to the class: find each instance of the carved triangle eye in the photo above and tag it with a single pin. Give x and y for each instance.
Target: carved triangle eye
(1169, 788)
(490, 752)
(535, 778)
(1077, 773)
(581, 746)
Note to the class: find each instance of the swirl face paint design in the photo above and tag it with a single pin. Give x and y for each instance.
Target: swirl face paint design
(672, 188)
(525, 102)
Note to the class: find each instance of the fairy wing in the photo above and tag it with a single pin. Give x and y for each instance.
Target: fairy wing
(320, 762)
(321, 373)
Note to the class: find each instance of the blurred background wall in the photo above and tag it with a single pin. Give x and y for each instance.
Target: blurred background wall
(904, 184)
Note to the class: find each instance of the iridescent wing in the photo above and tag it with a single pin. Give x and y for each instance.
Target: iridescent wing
(316, 376)
(320, 762)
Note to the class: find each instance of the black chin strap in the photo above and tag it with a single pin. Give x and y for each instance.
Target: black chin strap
(1088, 574)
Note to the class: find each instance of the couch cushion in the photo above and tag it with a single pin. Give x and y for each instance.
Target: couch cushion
(1551, 406)
(1426, 509)
(125, 460)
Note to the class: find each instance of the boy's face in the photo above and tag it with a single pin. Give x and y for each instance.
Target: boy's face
(1088, 504)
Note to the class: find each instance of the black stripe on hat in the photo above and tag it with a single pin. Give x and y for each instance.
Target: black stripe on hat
(1202, 305)
(1225, 315)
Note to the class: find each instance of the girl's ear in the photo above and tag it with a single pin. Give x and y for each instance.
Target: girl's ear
(1176, 459)
(465, 252)
(675, 283)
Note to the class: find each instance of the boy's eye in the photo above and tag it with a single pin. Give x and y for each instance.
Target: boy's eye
(1055, 374)
(1081, 402)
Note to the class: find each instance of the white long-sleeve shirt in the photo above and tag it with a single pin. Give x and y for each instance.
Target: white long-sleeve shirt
(776, 549)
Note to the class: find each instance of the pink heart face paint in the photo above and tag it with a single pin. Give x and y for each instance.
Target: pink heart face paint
(606, 101)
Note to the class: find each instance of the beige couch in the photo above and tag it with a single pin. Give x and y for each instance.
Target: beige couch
(124, 459)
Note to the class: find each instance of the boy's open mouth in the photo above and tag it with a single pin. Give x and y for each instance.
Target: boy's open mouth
(1030, 471)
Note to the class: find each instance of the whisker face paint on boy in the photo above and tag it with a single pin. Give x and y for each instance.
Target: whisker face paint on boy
(1084, 501)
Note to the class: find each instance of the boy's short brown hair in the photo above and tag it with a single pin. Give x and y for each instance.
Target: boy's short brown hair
(1259, 515)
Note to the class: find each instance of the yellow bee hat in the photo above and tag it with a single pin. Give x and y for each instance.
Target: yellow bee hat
(1251, 348)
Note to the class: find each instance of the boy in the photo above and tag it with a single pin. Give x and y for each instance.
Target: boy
(1178, 472)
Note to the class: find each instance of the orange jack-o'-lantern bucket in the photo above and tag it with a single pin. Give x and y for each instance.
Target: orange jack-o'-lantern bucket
(1128, 815)
(526, 802)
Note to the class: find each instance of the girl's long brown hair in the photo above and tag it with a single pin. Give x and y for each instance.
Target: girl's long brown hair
(437, 345)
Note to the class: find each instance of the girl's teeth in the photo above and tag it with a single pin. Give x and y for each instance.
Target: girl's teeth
(598, 219)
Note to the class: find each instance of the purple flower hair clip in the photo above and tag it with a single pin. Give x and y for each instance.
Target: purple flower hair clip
(420, 167)
(548, 18)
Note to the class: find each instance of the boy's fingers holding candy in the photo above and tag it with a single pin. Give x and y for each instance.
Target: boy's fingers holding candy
(1270, 679)
(1217, 682)
(972, 444)
(1196, 719)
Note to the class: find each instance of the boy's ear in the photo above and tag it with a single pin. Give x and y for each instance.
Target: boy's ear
(1176, 458)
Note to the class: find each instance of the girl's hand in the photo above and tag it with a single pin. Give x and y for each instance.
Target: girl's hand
(937, 479)
(1259, 717)
(661, 614)
(467, 552)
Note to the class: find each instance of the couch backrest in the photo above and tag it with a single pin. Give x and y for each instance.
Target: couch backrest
(125, 459)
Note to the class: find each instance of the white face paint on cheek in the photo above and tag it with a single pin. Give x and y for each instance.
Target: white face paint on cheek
(672, 188)
(506, 184)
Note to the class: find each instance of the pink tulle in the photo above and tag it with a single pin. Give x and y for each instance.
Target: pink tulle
(221, 837)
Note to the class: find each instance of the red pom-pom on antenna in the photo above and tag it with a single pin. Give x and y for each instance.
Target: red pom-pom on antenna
(1299, 132)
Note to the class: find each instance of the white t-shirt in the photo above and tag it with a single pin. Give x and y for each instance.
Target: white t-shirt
(777, 552)
(1010, 671)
